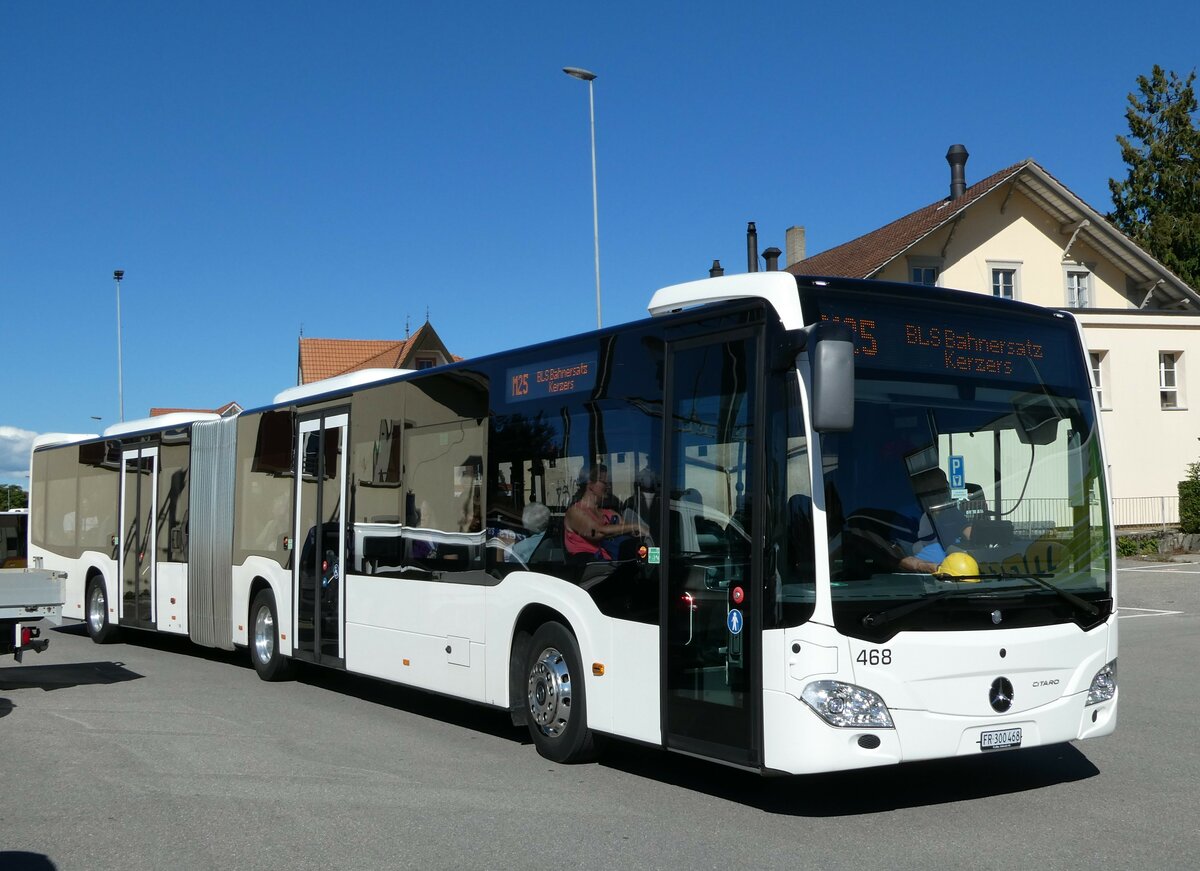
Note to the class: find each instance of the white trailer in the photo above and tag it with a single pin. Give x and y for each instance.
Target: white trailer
(30, 600)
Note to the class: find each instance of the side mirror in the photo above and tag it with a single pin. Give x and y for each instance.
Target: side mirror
(831, 353)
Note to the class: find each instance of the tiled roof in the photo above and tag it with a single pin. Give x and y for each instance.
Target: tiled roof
(326, 358)
(865, 256)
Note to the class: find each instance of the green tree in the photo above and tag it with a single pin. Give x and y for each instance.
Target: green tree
(1158, 204)
(13, 496)
(1189, 500)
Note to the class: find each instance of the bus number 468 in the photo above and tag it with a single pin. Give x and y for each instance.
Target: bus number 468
(874, 657)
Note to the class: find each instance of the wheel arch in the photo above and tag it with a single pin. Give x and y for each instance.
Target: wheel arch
(528, 620)
(259, 583)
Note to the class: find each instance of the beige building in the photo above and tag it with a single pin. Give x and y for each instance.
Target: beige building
(1021, 234)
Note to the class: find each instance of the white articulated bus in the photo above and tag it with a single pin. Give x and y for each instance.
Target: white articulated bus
(826, 524)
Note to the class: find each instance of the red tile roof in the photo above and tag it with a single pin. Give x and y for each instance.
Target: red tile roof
(326, 358)
(865, 256)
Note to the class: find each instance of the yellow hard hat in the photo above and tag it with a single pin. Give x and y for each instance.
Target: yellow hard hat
(960, 566)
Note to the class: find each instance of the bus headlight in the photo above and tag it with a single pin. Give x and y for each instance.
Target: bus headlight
(1104, 685)
(846, 705)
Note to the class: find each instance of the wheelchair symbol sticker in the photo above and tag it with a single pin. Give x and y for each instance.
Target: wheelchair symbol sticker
(734, 621)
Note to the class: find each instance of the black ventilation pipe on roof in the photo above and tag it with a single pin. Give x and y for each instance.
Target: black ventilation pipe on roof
(771, 255)
(717, 270)
(751, 248)
(957, 158)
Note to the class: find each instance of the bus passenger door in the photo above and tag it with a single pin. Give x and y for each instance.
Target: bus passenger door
(711, 648)
(136, 553)
(319, 542)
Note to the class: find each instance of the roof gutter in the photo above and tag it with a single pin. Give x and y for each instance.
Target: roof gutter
(1100, 226)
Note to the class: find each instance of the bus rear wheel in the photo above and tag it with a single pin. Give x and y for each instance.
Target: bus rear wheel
(555, 702)
(99, 627)
(264, 639)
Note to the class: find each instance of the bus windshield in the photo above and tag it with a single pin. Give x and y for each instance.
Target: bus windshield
(970, 493)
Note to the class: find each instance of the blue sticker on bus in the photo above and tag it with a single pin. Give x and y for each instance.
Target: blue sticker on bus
(734, 621)
(552, 377)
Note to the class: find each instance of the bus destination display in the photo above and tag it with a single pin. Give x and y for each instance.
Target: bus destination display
(933, 342)
(552, 378)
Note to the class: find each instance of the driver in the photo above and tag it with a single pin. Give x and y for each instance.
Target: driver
(943, 524)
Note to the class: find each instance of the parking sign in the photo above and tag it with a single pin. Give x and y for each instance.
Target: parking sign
(957, 475)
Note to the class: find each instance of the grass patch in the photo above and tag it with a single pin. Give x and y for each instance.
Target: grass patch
(1137, 545)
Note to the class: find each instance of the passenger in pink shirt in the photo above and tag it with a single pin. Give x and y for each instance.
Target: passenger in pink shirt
(590, 529)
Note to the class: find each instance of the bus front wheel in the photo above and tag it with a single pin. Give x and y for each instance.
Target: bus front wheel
(264, 639)
(555, 703)
(99, 627)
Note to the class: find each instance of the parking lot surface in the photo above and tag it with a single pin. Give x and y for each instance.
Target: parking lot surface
(155, 754)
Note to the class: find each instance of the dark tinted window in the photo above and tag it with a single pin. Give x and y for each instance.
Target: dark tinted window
(173, 478)
(417, 476)
(263, 514)
(564, 415)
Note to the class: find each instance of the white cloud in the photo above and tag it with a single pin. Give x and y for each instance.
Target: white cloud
(15, 445)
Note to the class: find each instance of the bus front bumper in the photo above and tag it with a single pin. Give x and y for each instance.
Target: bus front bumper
(797, 741)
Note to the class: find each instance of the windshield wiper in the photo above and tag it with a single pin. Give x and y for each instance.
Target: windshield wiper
(1041, 581)
(873, 621)
(879, 618)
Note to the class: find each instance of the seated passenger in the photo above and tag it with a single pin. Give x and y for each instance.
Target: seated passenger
(590, 529)
(535, 518)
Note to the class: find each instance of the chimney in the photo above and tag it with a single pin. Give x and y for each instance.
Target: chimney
(957, 158)
(772, 258)
(795, 245)
(751, 248)
(717, 270)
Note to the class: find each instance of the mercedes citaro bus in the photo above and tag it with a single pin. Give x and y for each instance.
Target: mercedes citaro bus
(861, 523)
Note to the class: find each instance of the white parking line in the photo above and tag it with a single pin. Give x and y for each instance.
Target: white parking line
(1146, 612)
(1147, 568)
(1165, 570)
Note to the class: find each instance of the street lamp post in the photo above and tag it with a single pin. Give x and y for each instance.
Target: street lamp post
(118, 274)
(589, 77)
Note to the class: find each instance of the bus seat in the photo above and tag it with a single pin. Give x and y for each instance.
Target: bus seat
(976, 500)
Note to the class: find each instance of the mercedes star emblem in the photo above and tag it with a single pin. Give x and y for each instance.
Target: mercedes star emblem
(1001, 695)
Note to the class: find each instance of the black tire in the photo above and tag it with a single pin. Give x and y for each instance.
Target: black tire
(554, 696)
(264, 639)
(99, 627)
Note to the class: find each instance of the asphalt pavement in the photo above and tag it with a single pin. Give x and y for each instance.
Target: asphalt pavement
(154, 753)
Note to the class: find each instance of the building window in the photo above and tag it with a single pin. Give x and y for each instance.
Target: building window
(1097, 359)
(426, 362)
(1002, 283)
(1006, 278)
(1168, 379)
(926, 275)
(925, 270)
(1079, 288)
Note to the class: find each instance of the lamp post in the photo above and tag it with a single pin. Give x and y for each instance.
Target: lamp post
(118, 274)
(589, 77)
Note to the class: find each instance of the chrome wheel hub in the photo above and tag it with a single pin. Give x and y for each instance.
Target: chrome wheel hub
(549, 694)
(264, 635)
(96, 608)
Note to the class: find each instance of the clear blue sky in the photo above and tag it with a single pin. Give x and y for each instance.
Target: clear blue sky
(260, 167)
